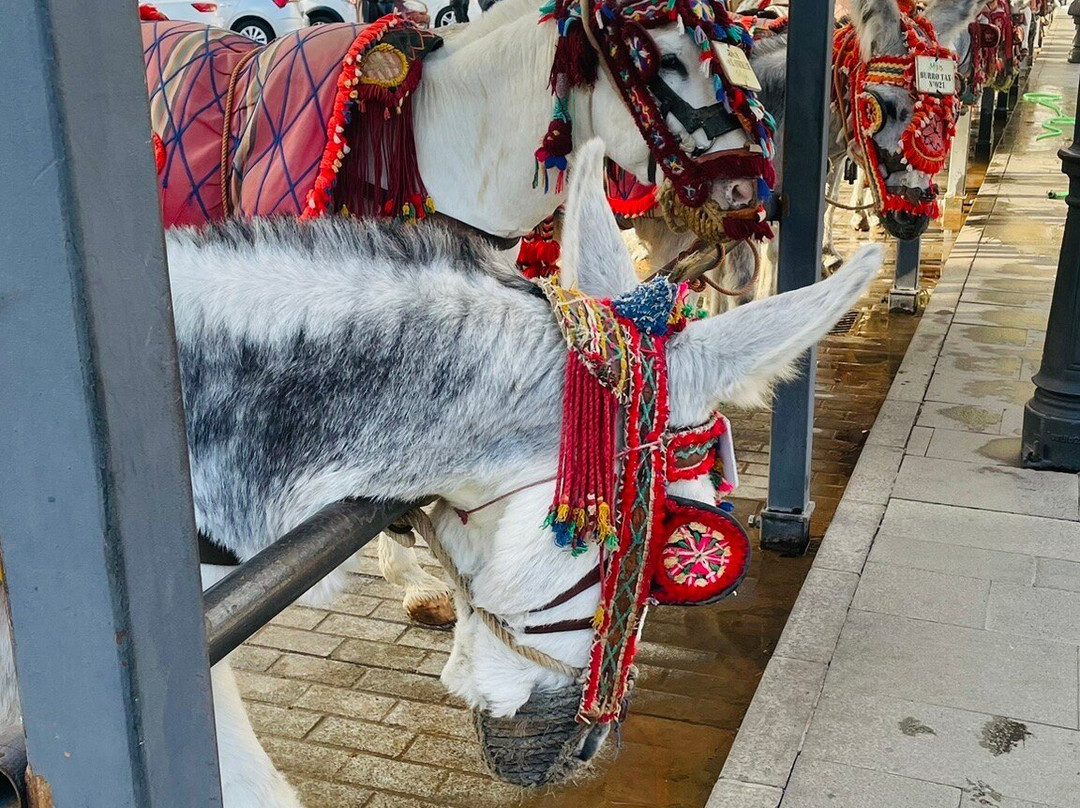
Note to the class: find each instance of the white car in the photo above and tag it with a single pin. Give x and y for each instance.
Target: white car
(319, 12)
(261, 20)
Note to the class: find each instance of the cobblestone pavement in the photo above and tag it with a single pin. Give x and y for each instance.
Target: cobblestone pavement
(932, 658)
(348, 703)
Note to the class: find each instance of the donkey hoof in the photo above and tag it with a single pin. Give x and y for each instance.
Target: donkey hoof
(435, 610)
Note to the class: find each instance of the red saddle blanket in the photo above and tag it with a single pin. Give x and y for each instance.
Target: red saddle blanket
(318, 121)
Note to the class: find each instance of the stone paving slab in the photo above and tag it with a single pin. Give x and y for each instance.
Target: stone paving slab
(937, 744)
(945, 607)
(973, 669)
(821, 784)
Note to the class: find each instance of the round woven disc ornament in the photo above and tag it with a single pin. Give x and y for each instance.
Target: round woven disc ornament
(705, 557)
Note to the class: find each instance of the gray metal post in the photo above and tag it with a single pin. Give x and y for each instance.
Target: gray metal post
(1051, 432)
(785, 523)
(96, 523)
(904, 295)
(1003, 108)
(240, 604)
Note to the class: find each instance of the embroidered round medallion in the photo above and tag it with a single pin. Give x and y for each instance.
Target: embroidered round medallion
(703, 557)
(695, 555)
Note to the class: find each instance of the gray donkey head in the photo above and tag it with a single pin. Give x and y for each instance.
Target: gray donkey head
(907, 183)
(338, 358)
(527, 711)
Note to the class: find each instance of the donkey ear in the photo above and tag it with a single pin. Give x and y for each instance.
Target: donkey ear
(734, 357)
(951, 18)
(877, 23)
(594, 256)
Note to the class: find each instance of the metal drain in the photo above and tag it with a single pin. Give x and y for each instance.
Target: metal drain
(845, 323)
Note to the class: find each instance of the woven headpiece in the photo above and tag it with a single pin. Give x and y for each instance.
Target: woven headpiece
(616, 495)
(925, 142)
(620, 30)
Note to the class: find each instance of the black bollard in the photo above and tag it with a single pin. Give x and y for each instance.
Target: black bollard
(1074, 12)
(1001, 110)
(1051, 436)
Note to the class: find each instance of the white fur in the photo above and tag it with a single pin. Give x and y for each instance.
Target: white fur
(485, 103)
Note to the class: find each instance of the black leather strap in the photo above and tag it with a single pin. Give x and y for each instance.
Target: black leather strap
(714, 119)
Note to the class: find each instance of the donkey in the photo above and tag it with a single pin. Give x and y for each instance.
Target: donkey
(340, 358)
(878, 30)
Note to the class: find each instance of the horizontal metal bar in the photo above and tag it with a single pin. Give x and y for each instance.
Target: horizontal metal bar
(244, 601)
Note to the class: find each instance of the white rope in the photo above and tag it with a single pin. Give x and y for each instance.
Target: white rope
(418, 521)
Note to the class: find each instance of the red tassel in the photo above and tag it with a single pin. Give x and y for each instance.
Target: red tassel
(538, 253)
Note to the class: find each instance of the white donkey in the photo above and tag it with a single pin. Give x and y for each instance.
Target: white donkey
(418, 362)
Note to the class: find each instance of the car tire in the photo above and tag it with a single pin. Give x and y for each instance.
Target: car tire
(447, 15)
(255, 29)
(323, 16)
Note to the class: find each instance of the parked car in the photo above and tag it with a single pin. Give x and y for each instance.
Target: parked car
(452, 12)
(261, 20)
(319, 12)
(447, 12)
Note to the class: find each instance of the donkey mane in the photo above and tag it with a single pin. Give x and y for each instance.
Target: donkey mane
(337, 358)
(315, 273)
(770, 64)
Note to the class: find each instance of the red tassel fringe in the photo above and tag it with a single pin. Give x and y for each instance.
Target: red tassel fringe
(369, 164)
(538, 253)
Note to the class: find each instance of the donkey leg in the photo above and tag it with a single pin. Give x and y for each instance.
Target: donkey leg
(248, 776)
(427, 599)
(10, 709)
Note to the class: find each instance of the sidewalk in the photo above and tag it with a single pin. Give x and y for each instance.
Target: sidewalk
(931, 660)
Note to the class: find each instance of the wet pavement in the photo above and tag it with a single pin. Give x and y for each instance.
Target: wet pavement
(931, 659)
(348, 703)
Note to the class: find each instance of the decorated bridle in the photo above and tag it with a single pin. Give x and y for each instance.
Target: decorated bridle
(992, 27)
(616, 35)
(617, 456)
(613, 493)
(928, 72)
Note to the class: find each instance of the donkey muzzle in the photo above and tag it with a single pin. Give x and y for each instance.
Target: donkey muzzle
(905, 226)
(543, 743)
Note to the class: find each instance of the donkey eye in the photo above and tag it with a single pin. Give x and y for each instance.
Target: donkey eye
(669, 61)
(889, 108)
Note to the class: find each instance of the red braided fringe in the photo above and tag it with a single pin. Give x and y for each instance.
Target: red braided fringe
(738, 229)
(634, 206)
(735, 167)
(585, 485)
(538, 253)
(369, 164)
(574, 58)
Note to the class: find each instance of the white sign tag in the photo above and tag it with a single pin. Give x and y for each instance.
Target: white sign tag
(727, 455)
(736, 66)
(935, 76)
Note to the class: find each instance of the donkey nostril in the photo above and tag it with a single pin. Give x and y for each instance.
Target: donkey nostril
(741, 192)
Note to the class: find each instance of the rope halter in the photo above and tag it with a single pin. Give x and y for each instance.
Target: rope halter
(927, 72)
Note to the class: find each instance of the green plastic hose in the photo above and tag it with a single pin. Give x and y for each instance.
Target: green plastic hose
(1052, 127)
